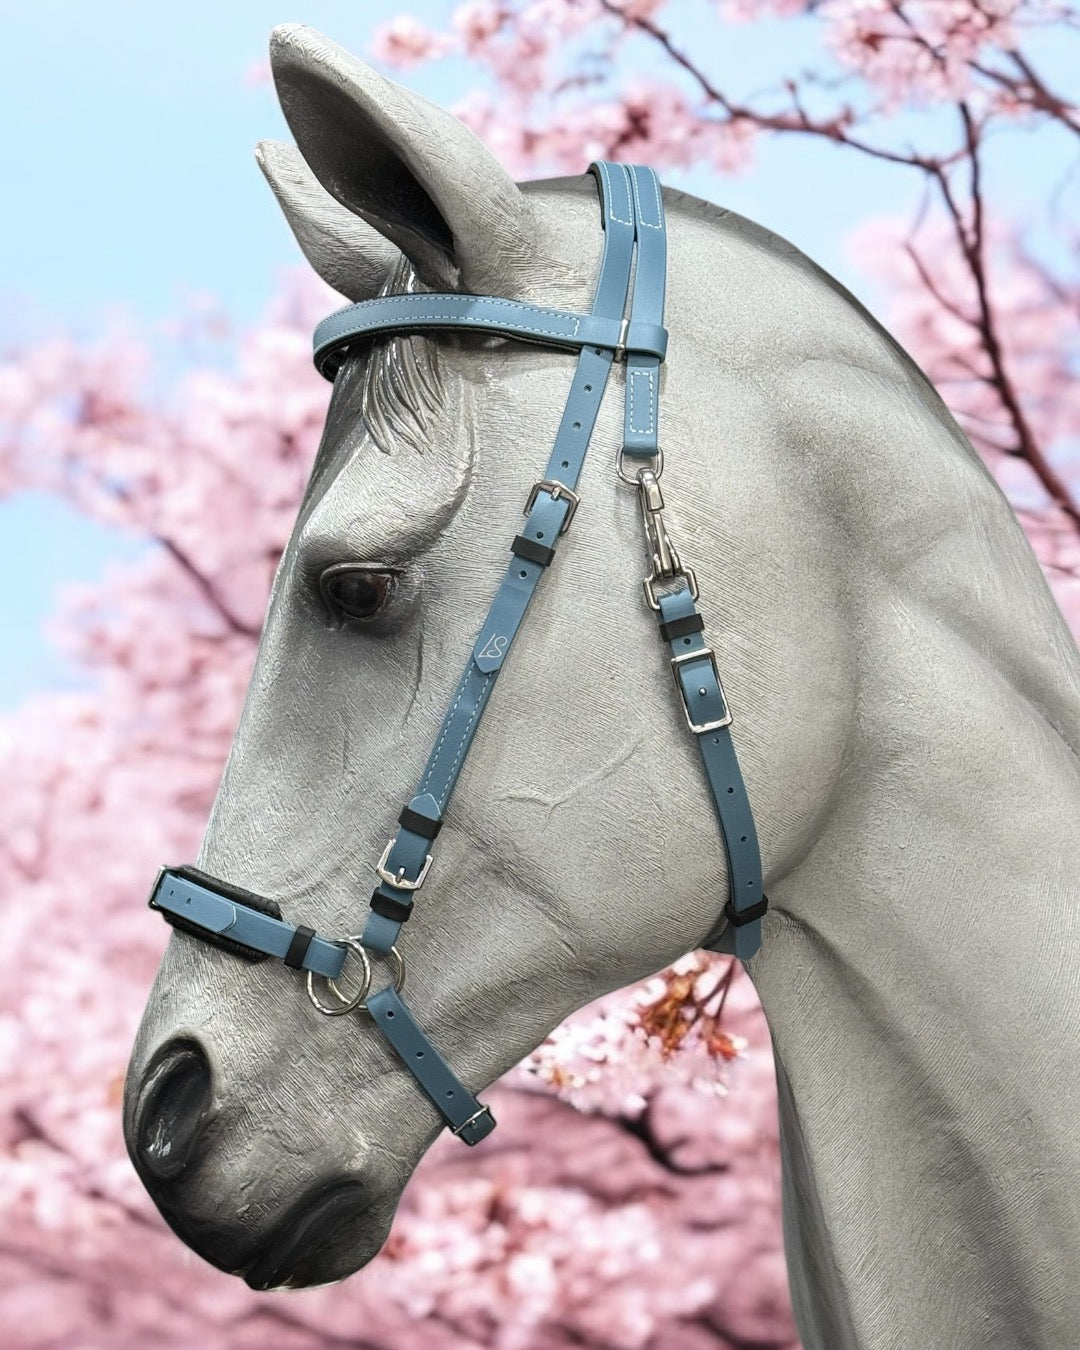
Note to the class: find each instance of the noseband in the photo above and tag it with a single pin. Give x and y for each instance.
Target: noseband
(251, 926)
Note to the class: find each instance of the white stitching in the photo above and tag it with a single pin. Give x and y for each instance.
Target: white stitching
(636, 375)
(606, 176)
(465, 733)
(656, 194)
(348, 331)
(446, 727)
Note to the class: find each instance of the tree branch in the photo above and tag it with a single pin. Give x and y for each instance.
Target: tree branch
(205, 586)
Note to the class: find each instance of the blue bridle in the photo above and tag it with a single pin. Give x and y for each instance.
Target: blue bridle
(250, 925)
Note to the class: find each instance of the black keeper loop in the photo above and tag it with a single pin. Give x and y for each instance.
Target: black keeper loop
(418, 824)
(739, 917)
(529, 548)
(301, 941)
(389, 908)
(677, 628)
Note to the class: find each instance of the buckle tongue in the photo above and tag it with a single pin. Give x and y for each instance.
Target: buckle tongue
(703, 653)
(558, 490)
(401, 881)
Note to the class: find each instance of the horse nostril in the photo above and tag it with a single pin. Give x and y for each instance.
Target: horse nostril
(175, 1099)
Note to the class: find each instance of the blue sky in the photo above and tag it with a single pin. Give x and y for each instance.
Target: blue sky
(129, 132)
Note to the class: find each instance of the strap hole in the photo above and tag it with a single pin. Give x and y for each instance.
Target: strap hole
(419, 1054)
(743, 839)
(523, 573)
(731, 789)
(687, 641)
(598, 351)
(577, 426)
(389, 1013)
(539, 534)
(450, 1093)
(588, 388)
(566, 464)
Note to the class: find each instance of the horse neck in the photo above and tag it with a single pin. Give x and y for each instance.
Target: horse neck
(918, 974)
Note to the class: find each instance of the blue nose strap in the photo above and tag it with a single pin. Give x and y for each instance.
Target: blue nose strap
(191, 905)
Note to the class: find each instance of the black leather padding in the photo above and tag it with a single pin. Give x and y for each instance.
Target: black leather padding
(230, 892)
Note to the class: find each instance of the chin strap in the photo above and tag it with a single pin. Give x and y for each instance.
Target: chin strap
(633, 218)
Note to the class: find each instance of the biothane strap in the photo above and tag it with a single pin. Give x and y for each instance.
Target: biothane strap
(549, 509)
(190, 905)
(486, 314)
(693, 666)
(632, 211)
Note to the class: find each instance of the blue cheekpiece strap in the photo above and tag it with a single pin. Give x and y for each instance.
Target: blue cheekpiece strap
(549, 510)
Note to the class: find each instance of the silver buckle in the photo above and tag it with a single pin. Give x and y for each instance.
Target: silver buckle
(400, 881)
(557, 490)
(620, 341)
(474, 1117)
(676, 661)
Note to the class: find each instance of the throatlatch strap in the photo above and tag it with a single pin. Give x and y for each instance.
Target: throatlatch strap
(694, 668)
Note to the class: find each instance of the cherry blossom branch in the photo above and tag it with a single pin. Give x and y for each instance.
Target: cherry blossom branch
(641, 1128)
(1055, 107)
(33, 1129)
(973, 248)
(801, 123)
(205, 586)
(971, 244)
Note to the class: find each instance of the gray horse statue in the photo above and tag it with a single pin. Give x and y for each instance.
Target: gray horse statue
(903, 692)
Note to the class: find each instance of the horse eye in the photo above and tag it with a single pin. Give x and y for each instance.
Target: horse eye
(355, 592)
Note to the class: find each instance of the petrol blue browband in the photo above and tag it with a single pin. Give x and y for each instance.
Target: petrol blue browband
(251, 926)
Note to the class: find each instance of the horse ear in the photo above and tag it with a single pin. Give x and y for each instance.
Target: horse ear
(342, 248)
(410, 169)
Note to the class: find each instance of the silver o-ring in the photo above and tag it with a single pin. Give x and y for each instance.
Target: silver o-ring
(398, 963)
(346, 1004)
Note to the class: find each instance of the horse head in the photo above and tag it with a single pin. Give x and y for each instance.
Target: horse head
(811, 471)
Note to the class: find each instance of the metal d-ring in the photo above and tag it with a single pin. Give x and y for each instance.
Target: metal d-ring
(656, 454)
(346, 1004)
(396, 960)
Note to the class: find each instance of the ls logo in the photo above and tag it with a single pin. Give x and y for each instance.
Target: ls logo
(494, 648)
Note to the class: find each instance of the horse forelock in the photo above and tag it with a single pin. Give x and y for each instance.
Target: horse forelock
(403, 385)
